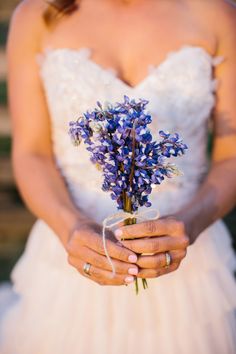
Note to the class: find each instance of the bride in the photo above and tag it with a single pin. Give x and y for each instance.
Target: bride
(63, 57)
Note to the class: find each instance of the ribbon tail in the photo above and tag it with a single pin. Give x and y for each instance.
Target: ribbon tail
(105, 249)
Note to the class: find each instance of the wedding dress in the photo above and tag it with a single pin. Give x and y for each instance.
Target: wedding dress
(55, 310)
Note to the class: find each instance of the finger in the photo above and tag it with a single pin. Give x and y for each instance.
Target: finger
(159, 260)
(100, 276)
(94, 241)
(154, 273)
(165, 226)
(100, 261)
(156, 244)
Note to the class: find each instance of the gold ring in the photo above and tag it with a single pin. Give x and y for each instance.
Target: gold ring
(86, 268)
(168, 259)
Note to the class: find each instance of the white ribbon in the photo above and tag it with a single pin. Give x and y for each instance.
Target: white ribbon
(115, 219)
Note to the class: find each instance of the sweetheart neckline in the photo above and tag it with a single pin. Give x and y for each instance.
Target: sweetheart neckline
(215, 59)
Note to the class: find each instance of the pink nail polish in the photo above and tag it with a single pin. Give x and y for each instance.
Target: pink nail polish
(132, 258)
(129, 279)
(118, 233)
(133, 271)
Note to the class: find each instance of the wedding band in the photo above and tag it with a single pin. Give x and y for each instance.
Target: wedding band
(86, 268)
(168, 259)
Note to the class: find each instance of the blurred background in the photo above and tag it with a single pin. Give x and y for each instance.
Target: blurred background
(15, 219)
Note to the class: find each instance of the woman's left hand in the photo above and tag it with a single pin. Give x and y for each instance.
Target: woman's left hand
(155, 237)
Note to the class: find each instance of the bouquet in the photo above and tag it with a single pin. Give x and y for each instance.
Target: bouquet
(121, 145)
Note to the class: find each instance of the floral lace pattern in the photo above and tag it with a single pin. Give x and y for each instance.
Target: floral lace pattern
(85, 317)
(181, 94)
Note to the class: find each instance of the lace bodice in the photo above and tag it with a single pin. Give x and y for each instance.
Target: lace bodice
(181, 94)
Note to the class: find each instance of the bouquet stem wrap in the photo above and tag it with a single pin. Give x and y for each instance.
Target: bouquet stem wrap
(128, 218)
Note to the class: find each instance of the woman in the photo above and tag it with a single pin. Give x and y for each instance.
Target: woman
(63, 57)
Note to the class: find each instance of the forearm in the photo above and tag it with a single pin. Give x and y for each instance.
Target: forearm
(45, 193)
(214, 199)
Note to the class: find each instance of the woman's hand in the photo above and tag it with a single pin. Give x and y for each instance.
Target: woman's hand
(155, 237)
(85, 245)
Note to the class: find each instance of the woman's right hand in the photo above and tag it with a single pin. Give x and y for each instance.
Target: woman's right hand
(85, 245)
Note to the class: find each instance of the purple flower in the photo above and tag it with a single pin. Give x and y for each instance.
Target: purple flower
(119, 140)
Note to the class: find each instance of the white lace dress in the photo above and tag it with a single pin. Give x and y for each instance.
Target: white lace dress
(57, 311)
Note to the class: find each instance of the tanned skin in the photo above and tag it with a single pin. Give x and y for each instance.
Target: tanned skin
(129, 50)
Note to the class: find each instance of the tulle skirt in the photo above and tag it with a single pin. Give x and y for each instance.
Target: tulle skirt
(52, 309)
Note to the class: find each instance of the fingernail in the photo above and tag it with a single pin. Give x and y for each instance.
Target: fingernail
(129, 279)
(133, 271)
(118, 233)
(133, 258)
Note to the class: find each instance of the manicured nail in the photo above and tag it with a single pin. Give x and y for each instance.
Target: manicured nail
(118, 233)
(133, 258)
(129, 279)
(133, 271)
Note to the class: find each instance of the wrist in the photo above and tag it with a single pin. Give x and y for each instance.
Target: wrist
(190, 226)
(69, 219)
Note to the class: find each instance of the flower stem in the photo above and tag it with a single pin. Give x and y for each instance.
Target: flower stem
(130, 221)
